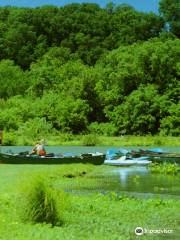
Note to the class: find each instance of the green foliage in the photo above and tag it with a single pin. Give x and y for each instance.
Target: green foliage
(16, 111)
(106, 129)
(141, 112)
(128, 25)
(169, 9)
(41, 203)
(28, 33)
(71, 115)
(166, 168)
(158, 141)
(9, 138)
(124, 69)
(11, 76)
(90, 140)
(18, 44)
(34, 128)
(170, 124)
(108, 70)
(88, 216)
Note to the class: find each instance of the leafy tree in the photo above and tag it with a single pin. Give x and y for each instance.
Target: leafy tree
(141, 111)
(71, 115)
(47, 72)
(86, 29)
(4, 13)
(15, 112)
(34, 128)
(124, 69)
(13, 80)
(170, 124)
(130, 26)
(18, 44)
(64, 112)
(85, 68)
(107, 129)
(170, 11)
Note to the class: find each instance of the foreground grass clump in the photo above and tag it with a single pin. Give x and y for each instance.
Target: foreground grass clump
(43, 204)
(166, 168)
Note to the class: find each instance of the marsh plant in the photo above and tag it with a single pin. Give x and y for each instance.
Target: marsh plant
(165, 168)
(43, 204)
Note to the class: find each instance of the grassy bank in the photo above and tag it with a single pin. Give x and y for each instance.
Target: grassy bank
(88, 216)
(92, 140)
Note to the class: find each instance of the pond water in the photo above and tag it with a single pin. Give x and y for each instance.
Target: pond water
(134, 180)
(78, 150)
(137, 180)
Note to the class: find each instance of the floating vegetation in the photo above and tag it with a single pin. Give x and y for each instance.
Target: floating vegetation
(72, 175)
(165, 168)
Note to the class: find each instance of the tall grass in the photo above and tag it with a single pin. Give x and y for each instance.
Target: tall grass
(90, 140)
(67, 139)
(43, 204)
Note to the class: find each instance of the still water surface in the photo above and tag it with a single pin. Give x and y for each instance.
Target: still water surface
(78, 150)
(137, 180)
(134, 180)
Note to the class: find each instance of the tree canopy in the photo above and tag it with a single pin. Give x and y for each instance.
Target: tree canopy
(82, 68)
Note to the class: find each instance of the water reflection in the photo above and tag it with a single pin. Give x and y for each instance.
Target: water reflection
(141, 180)
(125, 172)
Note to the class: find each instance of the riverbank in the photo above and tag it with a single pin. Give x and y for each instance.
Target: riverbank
(92, 140)
(88, 215)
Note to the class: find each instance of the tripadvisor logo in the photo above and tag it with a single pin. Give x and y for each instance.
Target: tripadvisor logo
(139, 231)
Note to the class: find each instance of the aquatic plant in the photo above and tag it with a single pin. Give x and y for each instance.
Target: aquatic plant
(165, 168)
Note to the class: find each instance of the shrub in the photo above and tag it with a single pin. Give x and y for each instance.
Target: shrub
(66, 137)
(90, 140)
(170, 124)
(158, 141)
(9, 139)
(34, 128)
(107, 129)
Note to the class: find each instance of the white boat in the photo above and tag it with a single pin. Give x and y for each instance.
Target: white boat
(123, 161)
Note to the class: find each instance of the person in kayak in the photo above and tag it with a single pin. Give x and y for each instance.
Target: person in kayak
(39, 149)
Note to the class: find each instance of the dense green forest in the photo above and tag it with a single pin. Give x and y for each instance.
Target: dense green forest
(86, 69)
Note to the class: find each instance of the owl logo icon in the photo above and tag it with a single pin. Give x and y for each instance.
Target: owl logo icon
(139, 231)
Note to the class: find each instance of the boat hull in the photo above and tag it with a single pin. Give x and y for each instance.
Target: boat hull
(163, 159)
(18, 159)
(126, 162)
(157, 157)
